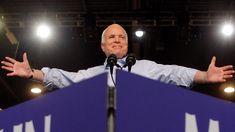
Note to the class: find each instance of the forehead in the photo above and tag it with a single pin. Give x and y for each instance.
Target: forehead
(115, 29)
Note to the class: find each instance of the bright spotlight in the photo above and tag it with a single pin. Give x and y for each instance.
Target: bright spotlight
(36, 90)
(227, 29)
(139, 33)
(43, 31)
(229, 90)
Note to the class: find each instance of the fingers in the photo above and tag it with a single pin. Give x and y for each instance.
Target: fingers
(223, 80)
(11, 60)
(7, 63)
(7, 68)
(228, 67)
(227, 76)
(25, 57)
(229, 72)
(11, 74)
(213, 60)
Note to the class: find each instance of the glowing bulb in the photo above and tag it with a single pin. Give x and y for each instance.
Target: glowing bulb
(43, 31)
(139, 33)
(229, 90)
(227, 29)
(36, 90)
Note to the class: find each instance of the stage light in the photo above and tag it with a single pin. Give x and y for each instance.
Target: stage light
(139, 33)
(43, 31)
(36, 90)
(227, 29)
(229, 89)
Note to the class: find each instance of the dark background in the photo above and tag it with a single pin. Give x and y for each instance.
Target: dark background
(181, 32)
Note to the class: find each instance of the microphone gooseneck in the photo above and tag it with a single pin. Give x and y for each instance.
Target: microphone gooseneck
(111, 62)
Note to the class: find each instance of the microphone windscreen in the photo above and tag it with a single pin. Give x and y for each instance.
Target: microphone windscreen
(112, 59)
(131, 59)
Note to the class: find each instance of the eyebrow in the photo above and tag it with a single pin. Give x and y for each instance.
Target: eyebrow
(117, 35)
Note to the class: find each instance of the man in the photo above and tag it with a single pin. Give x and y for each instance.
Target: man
(115, 41)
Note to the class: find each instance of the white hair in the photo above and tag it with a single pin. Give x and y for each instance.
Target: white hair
(102, 36)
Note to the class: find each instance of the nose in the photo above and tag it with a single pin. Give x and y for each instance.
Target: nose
(117, 39)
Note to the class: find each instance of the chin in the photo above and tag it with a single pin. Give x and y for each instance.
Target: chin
(120, 56)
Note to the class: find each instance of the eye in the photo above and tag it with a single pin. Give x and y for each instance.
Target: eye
(122, 37)
(111, 36)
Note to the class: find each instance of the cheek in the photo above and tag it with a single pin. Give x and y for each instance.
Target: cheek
(125, 47)
(108, 49)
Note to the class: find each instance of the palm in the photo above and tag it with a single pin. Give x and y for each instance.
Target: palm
(21, 69)
(17, 68)
(219, 74)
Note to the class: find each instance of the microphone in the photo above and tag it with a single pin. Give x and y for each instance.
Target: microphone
(130, 61)
(111, 61)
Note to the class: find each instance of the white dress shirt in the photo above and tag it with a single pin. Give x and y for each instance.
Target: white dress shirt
(171, 74)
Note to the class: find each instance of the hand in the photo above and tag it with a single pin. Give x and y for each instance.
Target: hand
(16, 68)
(218, 74)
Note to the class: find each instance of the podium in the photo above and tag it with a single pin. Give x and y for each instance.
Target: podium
(143, 105)
(80, 107)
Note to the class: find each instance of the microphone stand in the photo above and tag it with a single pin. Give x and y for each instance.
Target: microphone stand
(111, 94)
(111, 109)
(111, 101)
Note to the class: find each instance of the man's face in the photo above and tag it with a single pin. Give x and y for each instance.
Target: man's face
(115, 41)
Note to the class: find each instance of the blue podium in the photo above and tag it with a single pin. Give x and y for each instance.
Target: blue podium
(78, 108)
(142, 105)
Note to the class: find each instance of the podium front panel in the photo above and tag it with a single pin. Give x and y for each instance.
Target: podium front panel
(145, 105)
(78, 108)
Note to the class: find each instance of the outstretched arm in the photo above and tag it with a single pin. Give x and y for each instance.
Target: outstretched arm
(21, 69)
(214, 74)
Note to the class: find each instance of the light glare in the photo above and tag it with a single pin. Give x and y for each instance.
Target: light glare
(229, 90)
(139, 33)
(36, 90)
(227, 29)
(43, 31)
